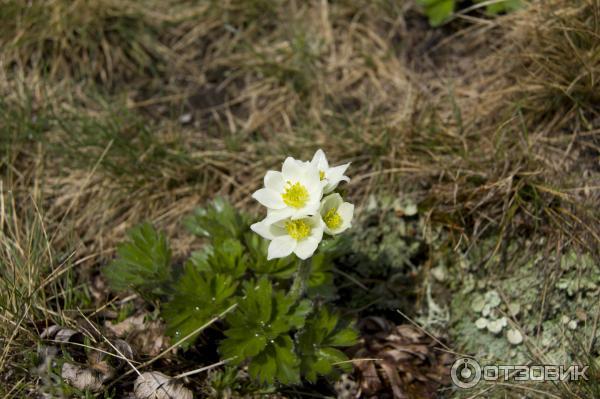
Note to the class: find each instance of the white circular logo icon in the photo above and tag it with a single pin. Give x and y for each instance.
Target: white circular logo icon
(465, 373)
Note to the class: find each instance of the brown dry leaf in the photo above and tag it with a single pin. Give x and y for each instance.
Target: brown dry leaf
(61, 334)
(146, 336)
(155, 385)
(410, 365)
(96, 364)
(127, 326)
(82, 377)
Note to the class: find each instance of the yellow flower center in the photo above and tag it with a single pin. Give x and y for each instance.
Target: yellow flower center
(321, 175)
(295, 195)
(297, 229)
(332, 219)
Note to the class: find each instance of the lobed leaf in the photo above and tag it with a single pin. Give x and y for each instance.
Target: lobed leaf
(218, 221)
(142, 263)
(225, 257)
(259, 332)
(323, 331)
(198, 296)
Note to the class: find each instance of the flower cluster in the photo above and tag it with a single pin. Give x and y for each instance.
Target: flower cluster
(302, 205)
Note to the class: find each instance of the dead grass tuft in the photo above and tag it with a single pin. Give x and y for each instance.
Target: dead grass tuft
(114, 112)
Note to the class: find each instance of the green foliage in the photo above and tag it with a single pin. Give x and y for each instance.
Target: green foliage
(502, 6)
(266, 331)
(440, 11)
(226, 257)
(281, 268)
(219, 221)
(142, 263)
(317, 343)
(198, 297)
(259, 329)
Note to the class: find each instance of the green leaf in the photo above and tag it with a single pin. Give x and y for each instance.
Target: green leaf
(320, 281)
(197, 297)
(281, 268)
(259, 332)
(502, 6)
(322, 332)
(142, 263)
(277, 362)
(438, 11)
(218, 221)
(225, 257)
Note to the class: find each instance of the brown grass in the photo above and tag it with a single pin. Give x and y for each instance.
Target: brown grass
(492, 125)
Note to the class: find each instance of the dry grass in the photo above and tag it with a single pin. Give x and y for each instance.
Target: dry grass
(491, 124)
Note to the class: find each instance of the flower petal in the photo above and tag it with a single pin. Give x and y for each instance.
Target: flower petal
(336, 174)
(292, 169)
(263, 229)
(331, 201)
(309, 209)
(281, 247)
(276, 215)
(311, 178)
(346, 211)
(320, 160)
(269, 198)
(274, 181)
(317, 225)
(306, 248)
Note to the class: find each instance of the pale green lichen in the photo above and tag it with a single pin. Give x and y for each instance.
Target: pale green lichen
(523, 293)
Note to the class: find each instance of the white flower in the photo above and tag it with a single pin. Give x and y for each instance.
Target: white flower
(295, 192)
(337, 214)
(331, 177)
(300, 236)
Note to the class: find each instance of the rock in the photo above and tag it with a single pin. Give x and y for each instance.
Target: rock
(185, 119)
(439, 273)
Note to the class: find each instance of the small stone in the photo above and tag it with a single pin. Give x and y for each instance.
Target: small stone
(439, 273)
(514, 337)
(185, 119)
(481, 323)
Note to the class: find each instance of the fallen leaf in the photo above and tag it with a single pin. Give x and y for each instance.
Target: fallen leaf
(82, 377)
(147, 337)
(155, 385)
(126, 326)
(402, 359)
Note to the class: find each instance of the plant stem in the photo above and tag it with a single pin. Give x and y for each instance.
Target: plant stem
(302, 275)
